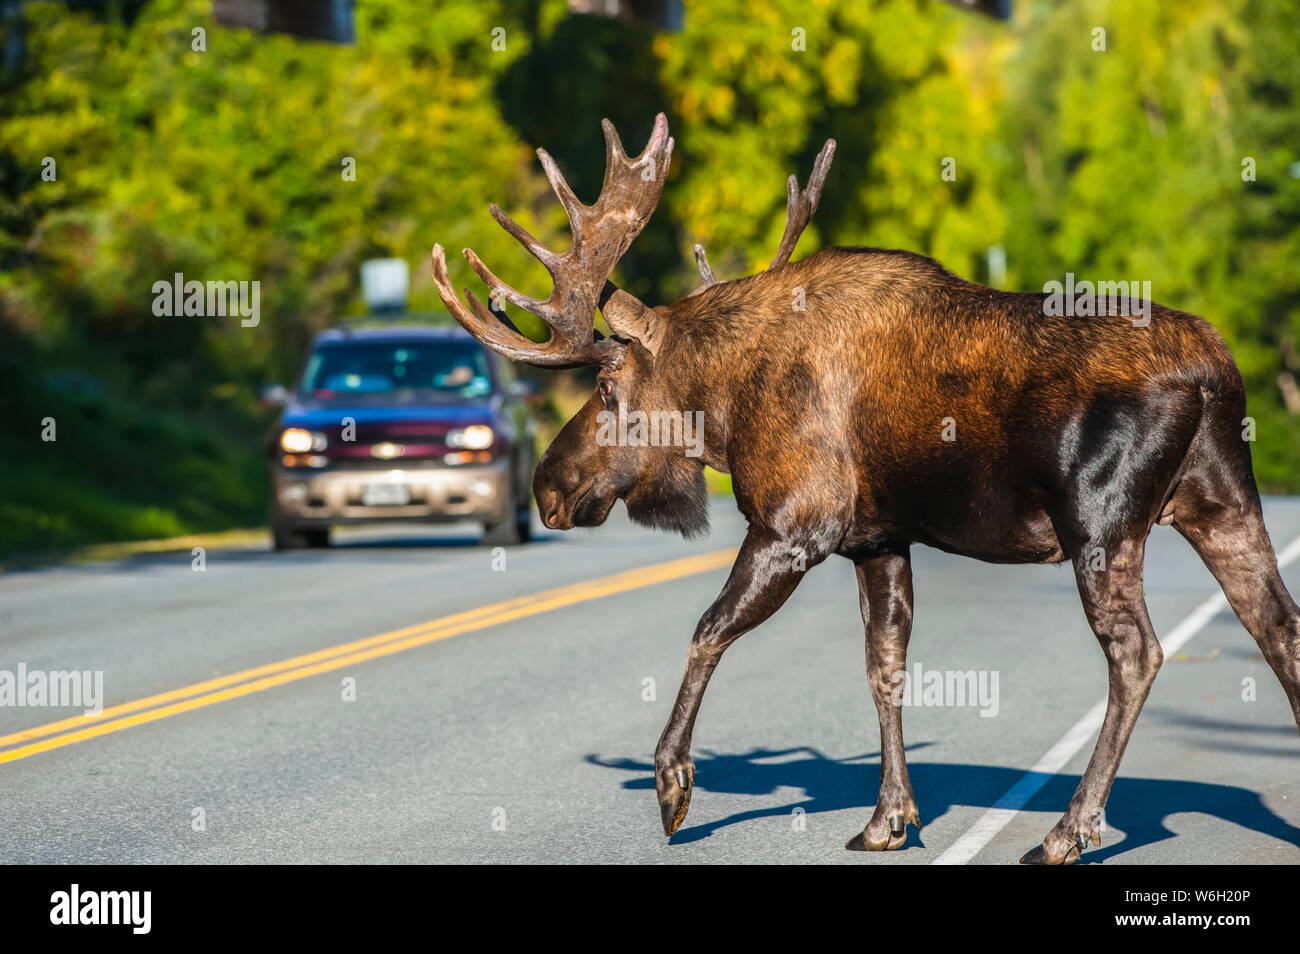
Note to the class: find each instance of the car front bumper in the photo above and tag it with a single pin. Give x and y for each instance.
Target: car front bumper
(338, 494)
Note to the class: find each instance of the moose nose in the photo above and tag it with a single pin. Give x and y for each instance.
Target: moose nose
(549, 505)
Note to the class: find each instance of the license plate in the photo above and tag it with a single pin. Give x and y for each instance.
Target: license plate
(386, 495)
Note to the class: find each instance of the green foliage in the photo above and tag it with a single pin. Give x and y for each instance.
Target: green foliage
(759, 88)
(117, 468)
(1127, 163)
(227, 164)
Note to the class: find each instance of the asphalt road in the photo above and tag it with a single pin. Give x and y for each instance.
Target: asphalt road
(525, 733)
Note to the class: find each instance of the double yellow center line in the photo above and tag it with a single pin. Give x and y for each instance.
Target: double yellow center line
(55, 735)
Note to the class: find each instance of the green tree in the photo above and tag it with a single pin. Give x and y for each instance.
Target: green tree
(1127, 157)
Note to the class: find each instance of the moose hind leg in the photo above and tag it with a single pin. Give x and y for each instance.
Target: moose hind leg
(1113, 601)
(885, 592)
(1234, 545)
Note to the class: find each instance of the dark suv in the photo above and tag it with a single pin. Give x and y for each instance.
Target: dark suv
(401, 423)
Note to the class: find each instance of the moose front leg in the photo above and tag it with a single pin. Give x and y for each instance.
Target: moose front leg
(885, 592)
(765, 573)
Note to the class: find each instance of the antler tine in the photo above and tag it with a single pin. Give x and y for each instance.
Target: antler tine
(572, 206)
(800, 206)
(702, 261)
(498, 288)
(615, 154)
(487, 327)
(522, 236)
(706, 272)
(658, 149)
(602, 232)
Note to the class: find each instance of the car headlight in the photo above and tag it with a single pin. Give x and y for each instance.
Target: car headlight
(296, 440)
(475, 437)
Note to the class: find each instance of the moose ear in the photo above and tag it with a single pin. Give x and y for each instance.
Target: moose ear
(629, 318)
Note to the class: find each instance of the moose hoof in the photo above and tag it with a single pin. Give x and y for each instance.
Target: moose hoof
(1041, 856)
(1057, 848)
(674, 792)
(884, 834)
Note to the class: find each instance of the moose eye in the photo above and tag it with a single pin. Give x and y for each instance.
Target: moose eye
(606, 389)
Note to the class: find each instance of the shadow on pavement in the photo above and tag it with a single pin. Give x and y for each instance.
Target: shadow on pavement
(1137, 806)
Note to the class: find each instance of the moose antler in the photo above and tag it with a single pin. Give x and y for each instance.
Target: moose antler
(799, 209)
(602, 232)
(800, 206)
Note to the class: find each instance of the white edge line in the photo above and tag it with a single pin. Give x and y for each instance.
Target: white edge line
(1005, 808)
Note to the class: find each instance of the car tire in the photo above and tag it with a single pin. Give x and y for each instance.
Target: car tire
(289, 538)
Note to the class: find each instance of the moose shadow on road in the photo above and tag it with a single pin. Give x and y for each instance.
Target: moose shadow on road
(1137, 807)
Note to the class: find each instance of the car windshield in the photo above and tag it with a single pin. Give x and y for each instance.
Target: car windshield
(397, 371)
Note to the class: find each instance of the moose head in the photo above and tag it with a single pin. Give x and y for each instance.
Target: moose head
(641, 367)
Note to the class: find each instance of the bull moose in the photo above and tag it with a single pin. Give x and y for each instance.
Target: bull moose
(1073, 437)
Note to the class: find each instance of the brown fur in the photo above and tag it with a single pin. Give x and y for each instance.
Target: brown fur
(865, 401)
(1074, 435)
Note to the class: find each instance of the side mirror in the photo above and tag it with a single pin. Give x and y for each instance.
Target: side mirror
(273, 395)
